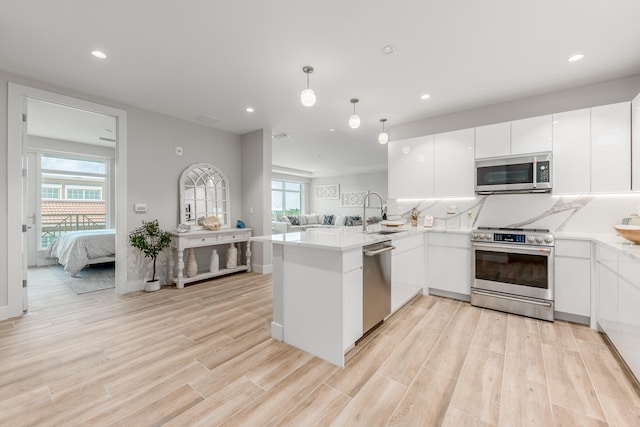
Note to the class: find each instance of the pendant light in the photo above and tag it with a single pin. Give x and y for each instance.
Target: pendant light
(354, 120)
(383, 138)
(308, 96)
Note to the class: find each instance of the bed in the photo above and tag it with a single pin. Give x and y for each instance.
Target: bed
(77, 249)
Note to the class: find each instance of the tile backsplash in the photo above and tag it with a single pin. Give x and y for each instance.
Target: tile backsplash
(592, 213)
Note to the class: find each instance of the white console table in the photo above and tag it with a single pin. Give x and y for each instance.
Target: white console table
(203, 238)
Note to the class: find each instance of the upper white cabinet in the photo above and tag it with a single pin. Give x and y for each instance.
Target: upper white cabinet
(411, 167)
(422, 167)
(454, 164)
(531, 135)
(635, 143)
(493, 140)
(610, 148)
(399, 169)
(572, 152)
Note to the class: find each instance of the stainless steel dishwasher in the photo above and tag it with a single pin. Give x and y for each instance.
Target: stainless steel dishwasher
(376, 284)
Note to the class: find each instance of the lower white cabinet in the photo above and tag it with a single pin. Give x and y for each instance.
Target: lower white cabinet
(618, 297)
(573, 279)
(449, 264)
(407, 270)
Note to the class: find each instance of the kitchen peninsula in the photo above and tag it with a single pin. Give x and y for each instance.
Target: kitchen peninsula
(318, 285)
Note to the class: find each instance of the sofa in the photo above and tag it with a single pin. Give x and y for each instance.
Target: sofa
(293, 223)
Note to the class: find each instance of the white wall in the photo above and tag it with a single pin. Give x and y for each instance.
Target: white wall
(256, 193)
(608, 92)
(376, 181)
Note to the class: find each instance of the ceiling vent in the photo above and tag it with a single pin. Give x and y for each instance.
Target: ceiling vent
(103, 138)
(204, 118)
(281, 135)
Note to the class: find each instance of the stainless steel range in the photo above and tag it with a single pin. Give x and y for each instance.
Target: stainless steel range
(512, 271)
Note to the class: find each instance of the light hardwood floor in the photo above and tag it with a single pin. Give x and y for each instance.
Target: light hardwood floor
(203, 356)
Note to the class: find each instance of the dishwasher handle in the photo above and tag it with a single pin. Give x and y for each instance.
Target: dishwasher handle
(379, 251)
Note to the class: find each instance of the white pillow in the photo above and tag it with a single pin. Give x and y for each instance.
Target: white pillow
(340, 219)
(285, 219)
(311, 219)
(302, 220)
(320, 218)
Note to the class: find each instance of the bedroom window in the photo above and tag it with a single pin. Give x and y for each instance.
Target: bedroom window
(72, 196)
(286, 198)
(51, 192)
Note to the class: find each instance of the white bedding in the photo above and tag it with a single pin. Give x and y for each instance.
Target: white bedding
(76, 249)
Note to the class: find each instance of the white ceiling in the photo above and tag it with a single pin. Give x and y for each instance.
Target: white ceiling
(216, 58)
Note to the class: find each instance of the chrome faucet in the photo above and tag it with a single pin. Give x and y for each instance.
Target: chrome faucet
(364, 208)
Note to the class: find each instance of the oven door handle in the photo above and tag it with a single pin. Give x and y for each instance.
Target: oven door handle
(528, 301)
(512, 248)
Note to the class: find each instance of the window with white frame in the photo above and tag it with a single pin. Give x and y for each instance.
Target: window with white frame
(286, 198)
(76, 192)
(51, 192)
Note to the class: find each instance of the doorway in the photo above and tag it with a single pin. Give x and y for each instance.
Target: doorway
(25, 153)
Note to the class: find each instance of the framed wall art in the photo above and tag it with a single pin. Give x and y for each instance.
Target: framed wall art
(328, 192)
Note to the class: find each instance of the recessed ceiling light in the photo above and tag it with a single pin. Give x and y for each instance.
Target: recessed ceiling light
(576, 57)
(249, 110)
(99, 54)
(388, 49)
(425, 96)
(332, 130)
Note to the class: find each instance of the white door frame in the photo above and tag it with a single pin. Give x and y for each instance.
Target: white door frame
(16, 101)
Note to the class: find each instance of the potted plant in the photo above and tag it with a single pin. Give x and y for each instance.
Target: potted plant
(151, 240)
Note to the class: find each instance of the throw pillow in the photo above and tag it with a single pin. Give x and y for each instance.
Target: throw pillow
(285, 219)
(351, 220)
(327, 220)
(294, 220)
(311, 219)
(340, 219)
(302, 219)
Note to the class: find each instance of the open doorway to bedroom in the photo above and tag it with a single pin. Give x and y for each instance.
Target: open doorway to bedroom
(21, 145)
(70, 191)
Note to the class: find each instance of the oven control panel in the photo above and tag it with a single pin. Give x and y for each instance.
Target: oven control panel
(520, 236)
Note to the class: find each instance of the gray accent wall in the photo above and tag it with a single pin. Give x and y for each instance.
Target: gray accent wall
(376, 181)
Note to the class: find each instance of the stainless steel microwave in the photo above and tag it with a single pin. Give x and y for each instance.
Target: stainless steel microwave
(530, 173)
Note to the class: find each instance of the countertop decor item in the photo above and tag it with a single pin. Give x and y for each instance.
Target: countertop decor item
(240, 224)
(151, 240)
(629, 232)
(211, 222)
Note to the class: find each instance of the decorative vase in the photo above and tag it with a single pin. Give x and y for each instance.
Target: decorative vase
(191, 269)
(232, 257)
(214, 265)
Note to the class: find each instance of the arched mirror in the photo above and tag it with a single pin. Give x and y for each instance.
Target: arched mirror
(204, 192)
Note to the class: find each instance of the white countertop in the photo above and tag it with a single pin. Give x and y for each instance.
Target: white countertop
(613, 241)
(347, 238)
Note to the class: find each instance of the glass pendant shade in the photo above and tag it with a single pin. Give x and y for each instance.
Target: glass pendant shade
(354, 121)
(308, 98)
(383, 138)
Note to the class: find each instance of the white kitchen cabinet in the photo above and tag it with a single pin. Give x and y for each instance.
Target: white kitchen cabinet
(573, 280)
(635, 143)
(493, 140)
(449, 265)
(407, 270)
(572, 152)
(454, 164)
(399, 168)
(611, 148)
(531, 135)
(421, 154)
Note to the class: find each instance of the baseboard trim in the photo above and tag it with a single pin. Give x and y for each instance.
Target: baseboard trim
(448, 294)
(574, 318)
(262, 269)
(277, 331)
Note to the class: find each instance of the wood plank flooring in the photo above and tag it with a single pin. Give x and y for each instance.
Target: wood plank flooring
(203, 356)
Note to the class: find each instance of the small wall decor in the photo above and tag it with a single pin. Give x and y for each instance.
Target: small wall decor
(353, 198)
(328, 192)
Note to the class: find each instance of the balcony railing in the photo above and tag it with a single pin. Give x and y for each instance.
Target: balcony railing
(54, 225)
